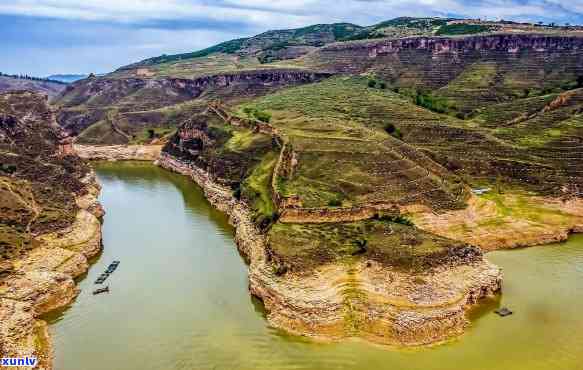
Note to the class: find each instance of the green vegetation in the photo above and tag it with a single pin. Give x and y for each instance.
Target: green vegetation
(256, 190)
(434, 103)
(399, 219)
(335, 202)
(392, 130)
(228, 47)
(254, 113)
(461, 29)
(399, 27)
(7, 168)
(147, 135)
(337, 130)
(303, 247)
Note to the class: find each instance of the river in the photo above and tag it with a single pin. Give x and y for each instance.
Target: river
(179, 299)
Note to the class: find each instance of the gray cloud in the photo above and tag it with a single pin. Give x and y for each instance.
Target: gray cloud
(99, 35)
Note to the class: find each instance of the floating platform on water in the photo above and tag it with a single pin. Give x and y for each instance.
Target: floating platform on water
(110, 269)
(101, 290)
(504, 311)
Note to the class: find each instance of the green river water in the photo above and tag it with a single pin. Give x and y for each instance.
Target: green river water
(179, 299)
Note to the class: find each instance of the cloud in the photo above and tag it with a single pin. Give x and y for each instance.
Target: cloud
(100, 35)
(252, 15)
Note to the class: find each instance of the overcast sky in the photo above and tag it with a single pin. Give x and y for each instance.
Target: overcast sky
(42, 37)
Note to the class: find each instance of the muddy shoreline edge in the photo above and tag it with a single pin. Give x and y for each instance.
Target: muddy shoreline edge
(44, 280)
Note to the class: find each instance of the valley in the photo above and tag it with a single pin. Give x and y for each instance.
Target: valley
(368, 172)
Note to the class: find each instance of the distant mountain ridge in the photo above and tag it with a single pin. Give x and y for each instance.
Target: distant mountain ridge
(67, 78)
(267, 44)
(31, 78)
(35, 84)
(279, 45)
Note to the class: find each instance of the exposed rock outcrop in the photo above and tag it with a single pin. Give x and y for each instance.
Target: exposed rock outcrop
(433, 62)
(511, 221)
(119, 152)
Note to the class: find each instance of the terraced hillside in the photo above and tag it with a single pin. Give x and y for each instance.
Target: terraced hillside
(108, 110)
(460, 74)
(342, 155)
(244, 53)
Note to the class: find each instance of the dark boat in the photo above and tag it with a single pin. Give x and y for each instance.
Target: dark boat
(101, 290)
(504, 311)
(112, 267)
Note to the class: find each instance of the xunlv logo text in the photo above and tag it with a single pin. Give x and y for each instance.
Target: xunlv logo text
(18, 361)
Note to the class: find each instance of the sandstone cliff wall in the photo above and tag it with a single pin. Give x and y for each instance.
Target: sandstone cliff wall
(433, 62)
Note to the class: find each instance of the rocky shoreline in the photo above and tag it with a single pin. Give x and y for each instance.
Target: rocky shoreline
(360, 299)
(119, 152)
(512, 221)
(43, 280)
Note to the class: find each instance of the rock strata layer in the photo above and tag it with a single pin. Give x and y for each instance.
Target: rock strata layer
(119, 152)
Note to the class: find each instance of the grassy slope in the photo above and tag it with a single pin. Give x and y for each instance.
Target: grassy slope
(303, 247)
(336, 127)
(137, 124)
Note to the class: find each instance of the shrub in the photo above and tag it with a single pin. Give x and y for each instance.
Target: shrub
(392, 130)
(257, 114)
(248, 111)
(336, 201)
(461, 29)
(263, 116)
(361, 246)
(435, 104)
(382, 85)
(237, 192)
(397, 219)
(7, 168)
(372, 83)
(264, 222)
(151, 133)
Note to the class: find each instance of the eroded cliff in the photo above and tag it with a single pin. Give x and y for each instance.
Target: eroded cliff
(50, 224)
